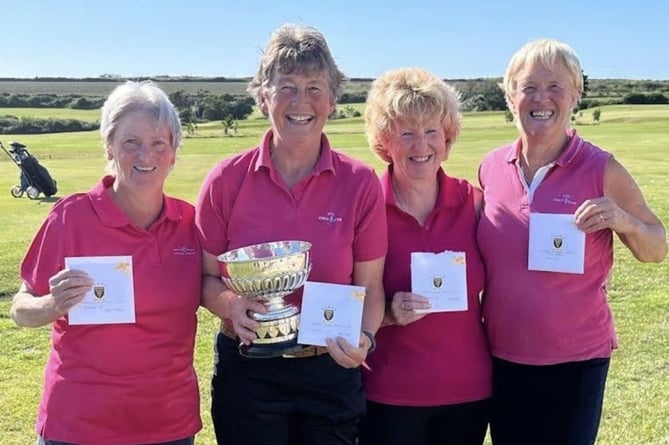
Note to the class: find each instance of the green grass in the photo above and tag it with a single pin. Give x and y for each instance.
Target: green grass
(637, 397)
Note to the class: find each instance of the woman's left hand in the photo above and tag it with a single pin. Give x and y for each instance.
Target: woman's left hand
(600, 213)
(347, 355)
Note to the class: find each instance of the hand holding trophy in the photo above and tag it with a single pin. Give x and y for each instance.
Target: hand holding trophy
(268, 272)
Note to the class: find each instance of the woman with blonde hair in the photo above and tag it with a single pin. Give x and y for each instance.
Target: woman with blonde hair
(429, 378)
(552, 204)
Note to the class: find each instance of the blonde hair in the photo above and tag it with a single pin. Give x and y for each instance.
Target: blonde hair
(412, 94)
(548, 53)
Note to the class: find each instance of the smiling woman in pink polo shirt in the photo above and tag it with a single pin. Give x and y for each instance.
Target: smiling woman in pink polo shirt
(550, 328)
(126, 383)
(429, 378)
(292, 186)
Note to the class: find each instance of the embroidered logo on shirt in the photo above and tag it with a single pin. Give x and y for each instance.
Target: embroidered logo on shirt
(564, 199)
(330, 218)
(183, 250)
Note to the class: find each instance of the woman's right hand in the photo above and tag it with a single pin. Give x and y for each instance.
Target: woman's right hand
(241, 311)
(404, 305)
(67, 288)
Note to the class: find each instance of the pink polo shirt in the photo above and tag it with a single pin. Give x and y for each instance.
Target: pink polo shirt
(443, 358)
(122, 383)
(535, 317)
(338, 208)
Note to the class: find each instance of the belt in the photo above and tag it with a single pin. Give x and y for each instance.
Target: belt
(307, 351)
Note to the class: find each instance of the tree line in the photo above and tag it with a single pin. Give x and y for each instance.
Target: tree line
(483, 94)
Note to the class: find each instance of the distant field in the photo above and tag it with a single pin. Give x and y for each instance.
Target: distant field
(103, 88)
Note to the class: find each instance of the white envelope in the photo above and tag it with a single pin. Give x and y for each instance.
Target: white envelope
(329, 311)
(441, 278)
(556, 244)
(112, 299)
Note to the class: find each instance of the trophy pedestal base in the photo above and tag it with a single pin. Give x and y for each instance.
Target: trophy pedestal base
(269, 351)
(275, 336)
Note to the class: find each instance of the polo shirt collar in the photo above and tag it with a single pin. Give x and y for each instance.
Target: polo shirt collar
(448, 196)
(567, 156)
(111, 215)
(265, 156)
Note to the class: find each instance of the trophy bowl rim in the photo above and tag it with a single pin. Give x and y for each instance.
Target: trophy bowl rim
(305, 247)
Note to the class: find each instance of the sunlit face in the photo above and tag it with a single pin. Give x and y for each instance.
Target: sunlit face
(543, 100)
(298, 106)
(141, 151)
(417, 149)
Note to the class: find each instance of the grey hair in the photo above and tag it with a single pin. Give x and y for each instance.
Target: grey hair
(138, 96)
(296, 49)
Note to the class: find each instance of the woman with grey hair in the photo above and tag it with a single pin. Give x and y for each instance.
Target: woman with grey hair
(130, 379)
(553, 202)
(292, 186)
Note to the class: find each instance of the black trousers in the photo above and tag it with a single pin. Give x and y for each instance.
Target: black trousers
(547, 405)
(461, 424)
(283, 401)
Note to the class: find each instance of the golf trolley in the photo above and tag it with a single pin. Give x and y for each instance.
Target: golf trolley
(34, 178)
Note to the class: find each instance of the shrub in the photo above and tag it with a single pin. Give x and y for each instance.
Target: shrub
(29, 125)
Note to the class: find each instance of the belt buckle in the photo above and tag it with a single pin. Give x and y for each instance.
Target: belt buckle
(310, 351)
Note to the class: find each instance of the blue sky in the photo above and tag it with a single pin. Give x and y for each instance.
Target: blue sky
(454, 39)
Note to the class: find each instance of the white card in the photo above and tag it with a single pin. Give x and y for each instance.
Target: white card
(112, 299)
(329, 311)
(556, 244)
(441, 278)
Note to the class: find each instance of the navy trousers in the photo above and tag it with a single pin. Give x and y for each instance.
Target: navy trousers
(283, 401)
(461, 424)
(545, 405)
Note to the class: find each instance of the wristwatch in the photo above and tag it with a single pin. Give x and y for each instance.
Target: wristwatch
(372, 341)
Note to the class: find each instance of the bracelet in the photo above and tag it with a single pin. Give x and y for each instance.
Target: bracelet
(372, 340)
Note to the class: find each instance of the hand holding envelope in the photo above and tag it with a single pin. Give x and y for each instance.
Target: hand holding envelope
(441, 278)
(407, 307)
(112, 298)
(330, 311)
(556, 244)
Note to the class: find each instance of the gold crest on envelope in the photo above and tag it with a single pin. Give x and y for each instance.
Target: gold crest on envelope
(328, 314)
(99, 291)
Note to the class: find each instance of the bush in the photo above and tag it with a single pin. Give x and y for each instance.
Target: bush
(29, 125)
(634, 98)
(647, 99)
(657, 99)
(596, 114)
(83, 103)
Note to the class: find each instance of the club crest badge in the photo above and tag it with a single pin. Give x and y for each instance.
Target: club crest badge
(328, 314)
(437, 282)
(557, 242)
(99, 292)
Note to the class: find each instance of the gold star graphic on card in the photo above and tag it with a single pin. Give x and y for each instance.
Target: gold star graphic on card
(358, 295)
(123, 267)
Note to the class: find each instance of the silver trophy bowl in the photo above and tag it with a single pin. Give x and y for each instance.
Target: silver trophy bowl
(268, 272)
